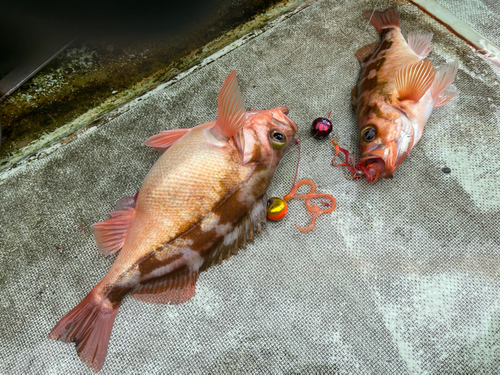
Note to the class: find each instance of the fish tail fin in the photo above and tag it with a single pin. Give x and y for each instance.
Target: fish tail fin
(383, 20)
(441, 91)
(89, 325)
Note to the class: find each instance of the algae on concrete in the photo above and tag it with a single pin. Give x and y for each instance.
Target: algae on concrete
(93, 78)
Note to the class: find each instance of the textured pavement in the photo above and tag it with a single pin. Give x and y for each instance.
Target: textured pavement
(482, 15)
(402, 278)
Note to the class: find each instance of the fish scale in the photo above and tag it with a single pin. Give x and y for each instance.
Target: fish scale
(395, 94)
(201, 200)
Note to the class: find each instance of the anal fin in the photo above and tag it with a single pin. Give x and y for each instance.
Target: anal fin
(365, 52)
(176, 287)
(110, 235)
(420, 43)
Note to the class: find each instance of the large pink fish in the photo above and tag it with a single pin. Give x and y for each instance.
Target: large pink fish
(202, 200)
(396, 93)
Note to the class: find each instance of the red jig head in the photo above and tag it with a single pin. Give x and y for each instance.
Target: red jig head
(321, 128)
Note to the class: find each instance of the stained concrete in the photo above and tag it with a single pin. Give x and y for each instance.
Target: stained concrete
(401, 278)
(117, 55)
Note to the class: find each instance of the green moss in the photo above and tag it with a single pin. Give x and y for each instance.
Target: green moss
(90, 80)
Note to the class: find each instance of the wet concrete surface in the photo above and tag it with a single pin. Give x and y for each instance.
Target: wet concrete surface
(402, 278)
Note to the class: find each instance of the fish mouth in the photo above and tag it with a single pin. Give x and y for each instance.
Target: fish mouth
(383, 157)
(379, 162)
(284, 109)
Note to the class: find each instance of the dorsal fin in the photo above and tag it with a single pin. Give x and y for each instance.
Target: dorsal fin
(383, 20)
(176, 287)
(354, 97)
(231, 109)
(179, 286)
(413, 80)
(242, 232)
(110, 235)
(420, 43)
(163, 140)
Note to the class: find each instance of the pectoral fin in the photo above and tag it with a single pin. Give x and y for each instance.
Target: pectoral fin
(162, 141)
(413, 80)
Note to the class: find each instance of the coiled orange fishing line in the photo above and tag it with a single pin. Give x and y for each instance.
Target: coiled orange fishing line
(277, 207)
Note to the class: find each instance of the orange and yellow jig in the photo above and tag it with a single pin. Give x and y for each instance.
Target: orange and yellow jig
(277, 207)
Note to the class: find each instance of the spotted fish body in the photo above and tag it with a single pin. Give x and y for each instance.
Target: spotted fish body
(202, 200)
(396, 92)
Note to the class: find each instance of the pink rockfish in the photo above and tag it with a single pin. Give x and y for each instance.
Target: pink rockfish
(396, 93)
(201, 201)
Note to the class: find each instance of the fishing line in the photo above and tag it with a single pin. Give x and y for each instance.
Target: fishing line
(298, 161)
(277, 207)
(369, 20)
(356, 167)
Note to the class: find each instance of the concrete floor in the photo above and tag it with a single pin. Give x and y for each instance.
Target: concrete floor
(403, 277)
(481, 15)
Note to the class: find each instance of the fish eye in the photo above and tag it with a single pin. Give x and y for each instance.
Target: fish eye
(278, 139)
(368, 134)
(277, 136)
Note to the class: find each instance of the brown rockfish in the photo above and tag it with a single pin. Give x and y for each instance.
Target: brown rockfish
(201, 201)
(396, 93)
